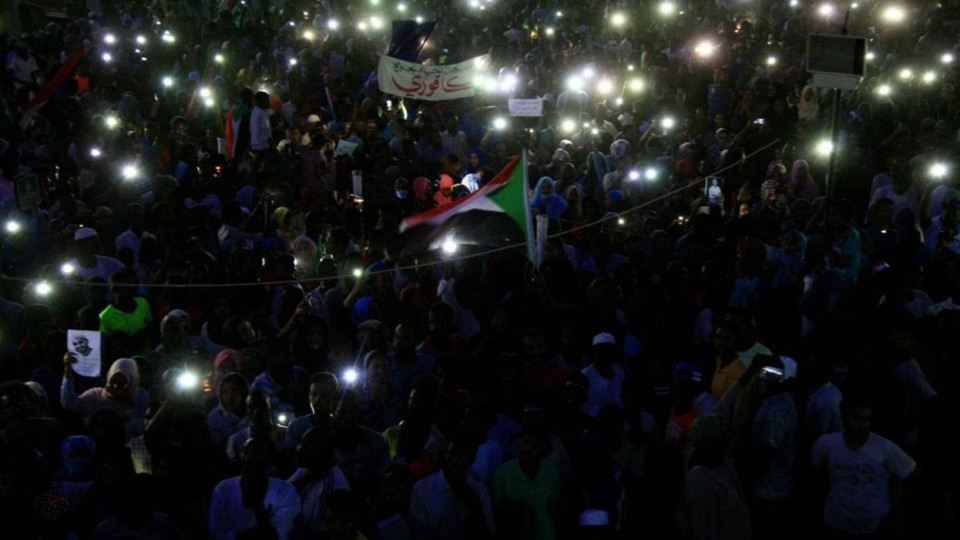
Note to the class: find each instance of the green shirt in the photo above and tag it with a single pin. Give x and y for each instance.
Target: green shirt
(114, 320)
(528, 504)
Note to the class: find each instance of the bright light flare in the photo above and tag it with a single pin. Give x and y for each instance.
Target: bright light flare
(130, 172)
(618, 19)
(107, 57)
(109, 39)
(12, 227)
(350, 376)
(947, 58)
(893, 14)
(376, 22)
(633, 175)
(938, 171)
(204, 92)
(668, 123)
(604, 86)
(67, 269)
(333, 24)
(568, 125)
(141, 40)
(575, 83)
(824, 147)
(825, 10)
(667, 8)
(771, 61)
(884, 90)
(929, 77)
(449, 246)
(651, 173)
(636, 84)
(188, 380)
(43, 288)
(870, 56)
(499, 123)
(357, 272)
(167, 82)
(95, 152)
(111, 121)
(168, 37)
(906, 74)
(705, 49)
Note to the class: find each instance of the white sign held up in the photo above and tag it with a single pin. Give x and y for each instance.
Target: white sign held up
(525, 107)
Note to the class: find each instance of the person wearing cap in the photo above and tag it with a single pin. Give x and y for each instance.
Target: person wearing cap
(604, 374)
(89, 263)
(772, 447)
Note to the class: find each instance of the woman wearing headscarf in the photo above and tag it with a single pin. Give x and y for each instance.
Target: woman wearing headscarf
(444, 194)
(305, 251)
(226, 362)
(230, 414)
(574, 199)
(808, 107)
(598, 166)
(546, 201)
(421, 194)
(802, 182)
(122, 394)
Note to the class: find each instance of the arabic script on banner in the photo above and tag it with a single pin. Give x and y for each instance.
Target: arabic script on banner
(525, 107)
(430, 83)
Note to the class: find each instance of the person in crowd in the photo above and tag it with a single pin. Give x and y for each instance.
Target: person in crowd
(254, 505)
(121, 393)
(229, 416)
(449, 503)
(858, 468)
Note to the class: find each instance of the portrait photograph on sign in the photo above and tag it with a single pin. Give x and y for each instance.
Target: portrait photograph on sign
(84, 345)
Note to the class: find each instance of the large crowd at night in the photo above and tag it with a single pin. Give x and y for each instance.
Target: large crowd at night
(733, 313)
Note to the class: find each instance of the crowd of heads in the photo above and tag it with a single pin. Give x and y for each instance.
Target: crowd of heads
(742, 272)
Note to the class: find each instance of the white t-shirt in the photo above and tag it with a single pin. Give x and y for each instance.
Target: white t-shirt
(823, 410)
(22, 70)
(859, 496)
(259, 129)
(602, 390)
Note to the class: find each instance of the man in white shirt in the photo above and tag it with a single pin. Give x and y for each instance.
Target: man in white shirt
(253, 505)
(860, 465)
(22, 66)
(450, 503)
(260, 124)
(604, 374)
(131, 237)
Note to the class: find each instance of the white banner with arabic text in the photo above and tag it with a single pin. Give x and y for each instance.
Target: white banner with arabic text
(430, 83)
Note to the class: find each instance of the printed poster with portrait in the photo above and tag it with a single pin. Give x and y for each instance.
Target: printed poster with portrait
(84, 345)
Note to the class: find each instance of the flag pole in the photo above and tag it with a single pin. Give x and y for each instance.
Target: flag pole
(526, 211)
